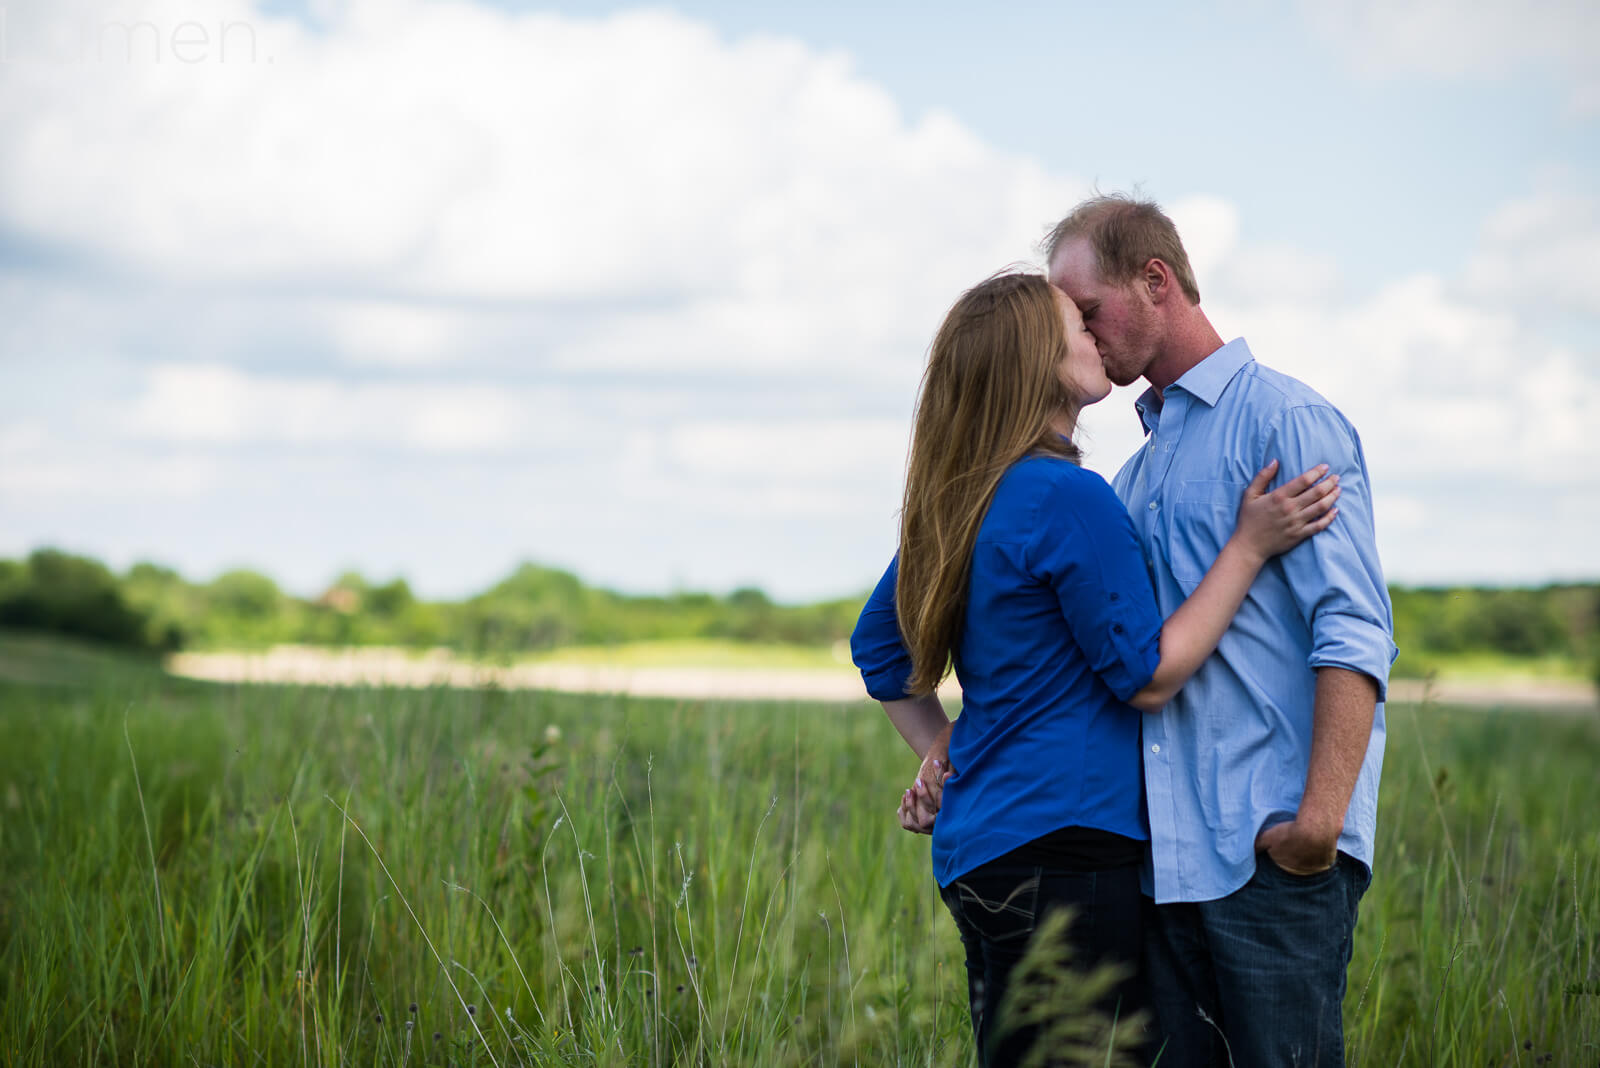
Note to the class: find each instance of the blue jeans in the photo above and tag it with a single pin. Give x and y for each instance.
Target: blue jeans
(1266, 965)
(996, 908)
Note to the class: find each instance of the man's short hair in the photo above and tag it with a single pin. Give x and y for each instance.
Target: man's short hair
(1125, 234)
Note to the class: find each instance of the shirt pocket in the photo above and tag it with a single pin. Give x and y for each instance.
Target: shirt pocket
(1203, 517)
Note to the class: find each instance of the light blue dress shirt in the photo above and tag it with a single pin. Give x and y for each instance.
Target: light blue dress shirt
(1228, 755)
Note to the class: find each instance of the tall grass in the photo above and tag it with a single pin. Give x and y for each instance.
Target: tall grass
(261, 875)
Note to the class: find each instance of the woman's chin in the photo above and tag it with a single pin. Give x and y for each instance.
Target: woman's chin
(1097, 396)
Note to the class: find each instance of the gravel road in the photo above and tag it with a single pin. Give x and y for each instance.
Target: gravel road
(394, 667)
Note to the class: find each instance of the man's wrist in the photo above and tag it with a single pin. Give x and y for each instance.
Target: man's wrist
(1319, 828)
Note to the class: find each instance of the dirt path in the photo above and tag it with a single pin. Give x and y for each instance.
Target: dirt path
(394, 667)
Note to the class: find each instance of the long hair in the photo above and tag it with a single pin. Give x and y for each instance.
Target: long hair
(987, 400)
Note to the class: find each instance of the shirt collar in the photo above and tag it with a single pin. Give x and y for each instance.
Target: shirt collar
(1205, 381)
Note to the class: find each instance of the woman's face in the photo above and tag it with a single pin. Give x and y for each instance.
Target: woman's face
(1080, 370)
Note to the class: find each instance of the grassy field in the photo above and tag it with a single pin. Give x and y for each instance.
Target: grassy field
(207, 875)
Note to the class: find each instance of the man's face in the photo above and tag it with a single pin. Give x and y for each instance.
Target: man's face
(1121, 318)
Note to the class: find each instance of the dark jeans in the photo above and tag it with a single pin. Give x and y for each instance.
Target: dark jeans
(996, 908)
(1258, 976)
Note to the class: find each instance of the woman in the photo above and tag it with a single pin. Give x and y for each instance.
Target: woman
(1022, 569)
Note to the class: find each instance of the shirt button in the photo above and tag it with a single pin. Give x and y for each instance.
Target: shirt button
(1155, 749)
(1152, 506)
(1116, 628)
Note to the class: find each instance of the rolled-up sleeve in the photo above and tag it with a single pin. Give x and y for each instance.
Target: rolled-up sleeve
(1086, 550)
(1335, 576)
(875, 644)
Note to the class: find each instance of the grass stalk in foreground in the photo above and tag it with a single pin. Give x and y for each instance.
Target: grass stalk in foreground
(277, 875)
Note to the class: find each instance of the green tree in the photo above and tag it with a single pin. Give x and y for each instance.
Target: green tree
(244, 595)
(389, 601)
(57, 591)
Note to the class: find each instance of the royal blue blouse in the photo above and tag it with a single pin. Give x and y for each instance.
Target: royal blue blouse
(1060, 629)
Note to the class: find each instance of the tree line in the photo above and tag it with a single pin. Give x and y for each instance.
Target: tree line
(154, 608)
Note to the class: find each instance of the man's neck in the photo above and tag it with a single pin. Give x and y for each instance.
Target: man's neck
(1190, 342)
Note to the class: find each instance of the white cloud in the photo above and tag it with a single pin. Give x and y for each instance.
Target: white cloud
(394, 333)
(1210, 229)
(1450, 38)
(755, 188)
(36, 462)
(637, 298)
(1540, 252)
(225, 406)
(828, 450)
(1476, 419)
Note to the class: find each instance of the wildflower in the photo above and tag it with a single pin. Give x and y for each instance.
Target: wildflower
(552, 735)
(377, 1017)
(472, 1010)
(680, 988)
(413, 1008)
(437, 1036)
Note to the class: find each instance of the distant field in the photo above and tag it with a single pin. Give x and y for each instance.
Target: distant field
(208, 874)
(726, 669)
(697, 653)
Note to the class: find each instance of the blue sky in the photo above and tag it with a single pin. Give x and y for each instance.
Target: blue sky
(429, 288)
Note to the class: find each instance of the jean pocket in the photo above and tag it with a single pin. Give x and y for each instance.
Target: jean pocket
(1268, 867)
(1000, 910)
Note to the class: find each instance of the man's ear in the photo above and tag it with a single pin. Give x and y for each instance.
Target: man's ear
(1157, 280)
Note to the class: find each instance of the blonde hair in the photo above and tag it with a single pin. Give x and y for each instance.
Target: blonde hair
(1125, 234)
(988, 397)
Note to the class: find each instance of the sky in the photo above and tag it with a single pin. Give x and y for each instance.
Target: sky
(426, 288)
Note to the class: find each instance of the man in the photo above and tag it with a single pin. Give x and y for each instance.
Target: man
(1261, 776)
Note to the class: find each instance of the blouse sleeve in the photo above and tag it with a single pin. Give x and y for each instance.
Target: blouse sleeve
(875, 645)
(1084, 547)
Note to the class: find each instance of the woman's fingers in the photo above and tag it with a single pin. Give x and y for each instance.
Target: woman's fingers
(1259, 484)
(1315, 504)
(918, 809)
(1301, 483)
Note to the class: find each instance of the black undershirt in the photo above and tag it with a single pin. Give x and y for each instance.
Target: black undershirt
(1077, 849)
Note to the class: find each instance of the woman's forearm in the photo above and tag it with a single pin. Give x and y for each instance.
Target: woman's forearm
(1192, 632)
(919, 720)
